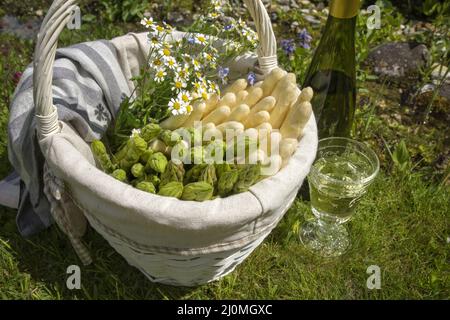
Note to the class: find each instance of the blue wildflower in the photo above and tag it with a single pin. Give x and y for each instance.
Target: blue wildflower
(288, 46)
(251, 78)
(228, 27)
(223, 73)
(191, 40)
(304, 39)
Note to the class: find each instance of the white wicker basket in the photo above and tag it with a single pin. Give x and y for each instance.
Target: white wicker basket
(170, 241)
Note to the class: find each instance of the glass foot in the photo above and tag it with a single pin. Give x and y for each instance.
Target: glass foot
(325, 239)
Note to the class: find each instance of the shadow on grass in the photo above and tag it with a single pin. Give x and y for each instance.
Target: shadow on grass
(45, 258)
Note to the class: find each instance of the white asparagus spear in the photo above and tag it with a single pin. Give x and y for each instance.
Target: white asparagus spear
(296, 120)
(254, 95)
(288, 147)
(264, 131)
(251, 133)
(241, 96)
(257, 119)
(281, 86)
(271, 143)
(306, 95)
(228, 100)
(211, 104)
(174, 122)
(254, 157)
(271, 81)
(284, 102)
(266, 104)
(212, 134)
(218, 116)
(240, 113)
(196, 114)
(235, 87)
(259, 84)
(231, 125)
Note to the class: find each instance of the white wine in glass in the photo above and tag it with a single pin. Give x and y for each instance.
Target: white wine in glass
(340, 176)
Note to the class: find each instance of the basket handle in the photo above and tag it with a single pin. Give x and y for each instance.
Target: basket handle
(61, 12)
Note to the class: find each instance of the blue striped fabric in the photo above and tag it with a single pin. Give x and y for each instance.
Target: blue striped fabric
(88, 87)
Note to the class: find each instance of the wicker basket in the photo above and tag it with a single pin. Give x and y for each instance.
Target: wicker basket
(170, 241)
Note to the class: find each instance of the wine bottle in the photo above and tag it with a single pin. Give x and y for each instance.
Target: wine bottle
(332, 72)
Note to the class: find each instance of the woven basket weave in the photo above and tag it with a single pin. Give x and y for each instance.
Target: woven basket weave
(170, 241)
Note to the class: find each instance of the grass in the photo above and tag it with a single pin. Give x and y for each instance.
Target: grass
(402, 225)
(403, 230)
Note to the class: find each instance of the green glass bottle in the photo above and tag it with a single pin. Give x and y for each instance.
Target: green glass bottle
(332, 72)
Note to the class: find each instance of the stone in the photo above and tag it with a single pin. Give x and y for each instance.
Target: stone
(441, 103)
(439, 72)
(311, 19)
(398, 61)
(12, 25)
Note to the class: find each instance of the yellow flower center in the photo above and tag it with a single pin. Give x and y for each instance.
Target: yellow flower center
(160, 28)
(178, 84)
(157, 62)
(166, 52)
(177, 105)
(185, 98)
(189, 108)
(160, 74)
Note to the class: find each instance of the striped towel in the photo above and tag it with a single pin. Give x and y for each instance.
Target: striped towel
(88, 87)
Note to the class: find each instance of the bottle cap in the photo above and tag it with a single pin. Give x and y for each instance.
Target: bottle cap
(344, 9)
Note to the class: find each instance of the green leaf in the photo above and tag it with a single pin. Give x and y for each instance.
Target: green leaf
(401, 157)
(88, 17)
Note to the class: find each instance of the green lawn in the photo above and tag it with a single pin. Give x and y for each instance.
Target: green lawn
(402, 225)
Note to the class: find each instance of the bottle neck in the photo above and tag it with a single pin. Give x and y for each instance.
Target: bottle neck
(337, 46)
(344, 9)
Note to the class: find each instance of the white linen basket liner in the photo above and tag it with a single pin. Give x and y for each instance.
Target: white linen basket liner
(171, 241)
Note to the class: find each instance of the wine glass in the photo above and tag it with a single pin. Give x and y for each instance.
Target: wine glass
(341, 174)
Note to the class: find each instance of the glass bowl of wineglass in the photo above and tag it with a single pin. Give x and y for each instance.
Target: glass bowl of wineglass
(340, 176)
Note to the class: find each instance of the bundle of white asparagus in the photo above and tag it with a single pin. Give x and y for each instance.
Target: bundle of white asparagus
(275, 111)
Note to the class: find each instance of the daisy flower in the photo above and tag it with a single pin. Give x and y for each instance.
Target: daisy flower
(155, 42)
(213, 87)
(159, 29)
(196, 64)
(165, 52)
(157, 63)
(201, 90)
(209, 57)
(183, 72)
(199, 77)
(213, 15)
(171, 63)
(179, 84)
(185, 97)
(160, 75)
(148, 23)
(201, 39)
(198, 86)
(176, 106)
